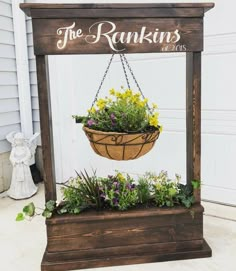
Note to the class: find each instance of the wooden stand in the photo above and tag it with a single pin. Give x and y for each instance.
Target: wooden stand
(114, 238)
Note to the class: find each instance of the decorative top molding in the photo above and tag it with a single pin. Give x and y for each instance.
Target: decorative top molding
(36, 10)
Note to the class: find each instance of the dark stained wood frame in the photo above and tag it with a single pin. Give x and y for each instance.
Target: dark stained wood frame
(189, 18)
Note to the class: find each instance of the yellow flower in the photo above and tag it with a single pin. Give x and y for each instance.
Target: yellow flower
(118, 94)
(92, 110)
(154, 106)
(128, 93)
(134, 99)
(112, 91)
(153, 120)
(120, 177)
(161, 128)
(101, 103)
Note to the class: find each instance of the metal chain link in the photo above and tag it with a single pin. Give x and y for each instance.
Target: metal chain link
(104, 76)
(123, 62)
(123, 65)
(135, 80)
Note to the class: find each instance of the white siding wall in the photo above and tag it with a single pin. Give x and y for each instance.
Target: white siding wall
(33, 77)
(9, 102)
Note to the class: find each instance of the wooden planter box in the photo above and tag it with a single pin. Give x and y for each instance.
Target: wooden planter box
(96, 239)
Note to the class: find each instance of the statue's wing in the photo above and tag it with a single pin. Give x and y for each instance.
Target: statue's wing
(33, 143)
(10, 137)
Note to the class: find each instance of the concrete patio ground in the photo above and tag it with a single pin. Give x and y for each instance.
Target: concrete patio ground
(22, 244)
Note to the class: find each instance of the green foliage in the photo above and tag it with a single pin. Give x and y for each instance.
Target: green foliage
(50, 206)
(20, 217)
(29, 209)
(72, 198)
(89, 189)
(27, 212)
(196, 184)
(122, 111)
(143, 187)
(120, 192)
(185, 196)
(165, 190)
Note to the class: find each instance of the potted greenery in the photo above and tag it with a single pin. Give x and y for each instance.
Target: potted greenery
(121, 126)
(104, 219)
(117, 192)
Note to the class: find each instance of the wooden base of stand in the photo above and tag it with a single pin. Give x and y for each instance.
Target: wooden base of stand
(93, 239)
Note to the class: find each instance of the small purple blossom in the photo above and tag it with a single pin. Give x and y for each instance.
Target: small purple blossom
(128, 186)
(112, 116)
(115, 201)
(90, 122)
(116, 185)
(103, 195)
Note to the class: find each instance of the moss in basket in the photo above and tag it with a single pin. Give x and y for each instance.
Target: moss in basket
(122, 111)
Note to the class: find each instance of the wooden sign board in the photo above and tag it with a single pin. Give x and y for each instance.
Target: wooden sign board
(104, 36)
(117, 28)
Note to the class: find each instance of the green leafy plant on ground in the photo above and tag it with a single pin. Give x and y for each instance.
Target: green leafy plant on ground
(116, 192)
(29, 211)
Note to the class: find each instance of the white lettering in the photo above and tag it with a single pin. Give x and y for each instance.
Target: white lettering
(106, 30)
(68, 32)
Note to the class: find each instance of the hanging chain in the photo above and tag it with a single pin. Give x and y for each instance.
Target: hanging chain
(104, 76)
(123, 65)
(123, 62)
(135, 80)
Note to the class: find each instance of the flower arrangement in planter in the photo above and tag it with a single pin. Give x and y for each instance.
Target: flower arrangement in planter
(117, 192)
(121, 126)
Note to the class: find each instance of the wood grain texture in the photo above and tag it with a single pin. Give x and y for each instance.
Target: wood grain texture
(193, 116)
(123, 13)
(153, 256)
(131, 237)
(29, 7)
(46, 37)
(203, 252)
(100, 231)
(46, 127)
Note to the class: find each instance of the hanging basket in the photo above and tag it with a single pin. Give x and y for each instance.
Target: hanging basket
(121, 146)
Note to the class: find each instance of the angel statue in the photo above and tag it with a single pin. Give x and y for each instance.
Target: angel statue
(23, 150)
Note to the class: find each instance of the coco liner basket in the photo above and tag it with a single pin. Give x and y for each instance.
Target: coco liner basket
(116, 145)
(121, 146)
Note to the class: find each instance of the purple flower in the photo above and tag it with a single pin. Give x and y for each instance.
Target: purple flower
(128, 186)
(103, 195)
(115, 201)
(90, 122)
(112, 116)
(116, 184)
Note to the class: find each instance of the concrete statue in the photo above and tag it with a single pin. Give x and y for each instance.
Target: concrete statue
(23, 150)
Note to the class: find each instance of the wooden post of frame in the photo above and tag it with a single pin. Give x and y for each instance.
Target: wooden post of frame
(46, 127)
(193, 117)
